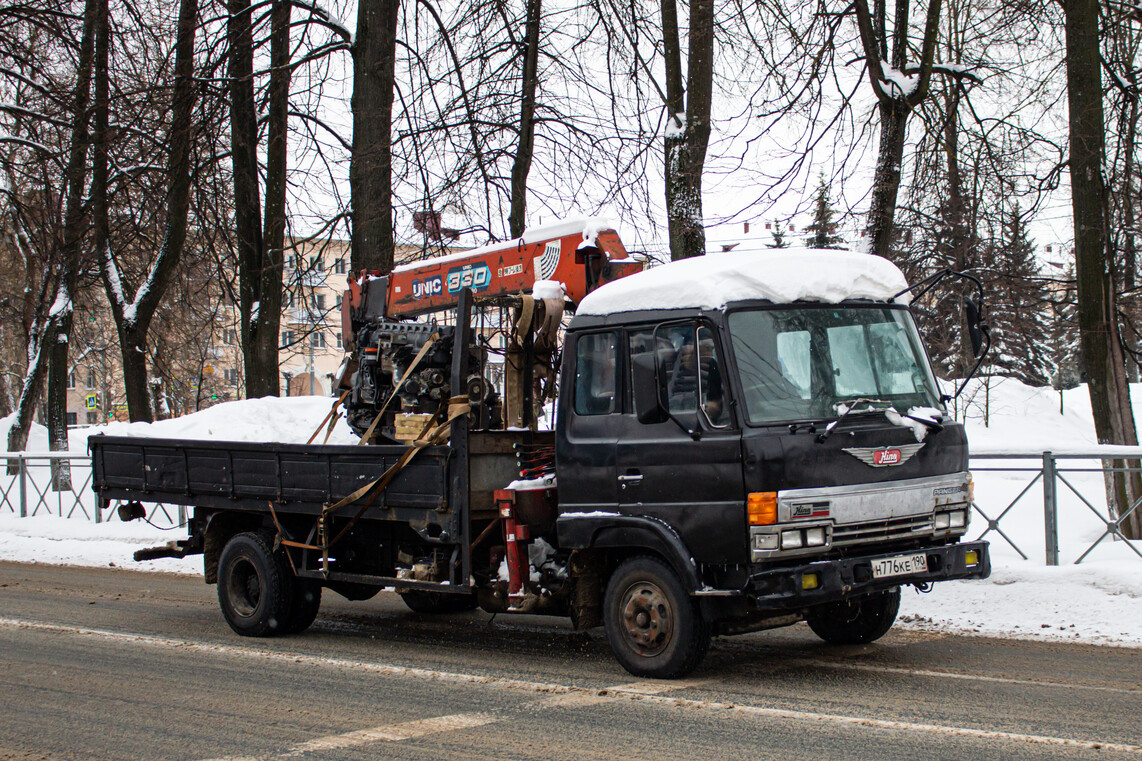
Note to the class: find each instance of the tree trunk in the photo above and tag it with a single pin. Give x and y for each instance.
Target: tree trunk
(1100, 344)
(57, 404)
(886, 180)
(247, 203)
(57, 322)
(685, 146)
(959, 234)
(370, 168)
(263, 253)
(895, 107)
(521, 167)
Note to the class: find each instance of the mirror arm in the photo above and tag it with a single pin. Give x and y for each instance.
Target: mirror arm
(983, 354)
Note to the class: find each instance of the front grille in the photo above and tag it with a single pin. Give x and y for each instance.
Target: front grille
(881, 531)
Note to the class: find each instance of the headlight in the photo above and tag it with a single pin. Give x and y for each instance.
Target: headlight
(815, 537)
(791, 540)
(959, 518)
(942, 521)
(765, 541)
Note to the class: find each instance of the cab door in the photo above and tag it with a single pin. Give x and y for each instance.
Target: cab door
(589, 423)
(686, 470)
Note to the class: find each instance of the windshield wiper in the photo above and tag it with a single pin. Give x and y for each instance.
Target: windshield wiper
(850, 406)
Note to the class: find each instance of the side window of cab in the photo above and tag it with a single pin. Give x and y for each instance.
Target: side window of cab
(596, 373)
(686, 358)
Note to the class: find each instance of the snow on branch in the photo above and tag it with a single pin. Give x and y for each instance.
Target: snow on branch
(6, 138)
(12, 108)
(326, 18)
(898, 84)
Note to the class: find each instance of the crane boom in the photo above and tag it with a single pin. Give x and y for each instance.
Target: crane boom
(581, 254)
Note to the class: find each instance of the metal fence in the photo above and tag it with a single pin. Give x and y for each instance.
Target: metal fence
(1059, 475)
(1075, 479)
(26, 489)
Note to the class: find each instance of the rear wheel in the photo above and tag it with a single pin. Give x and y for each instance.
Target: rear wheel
(305, 603)
(653, 626)
(855, 622)
(254, 592)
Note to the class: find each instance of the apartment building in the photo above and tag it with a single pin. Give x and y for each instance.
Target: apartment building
(201, 349)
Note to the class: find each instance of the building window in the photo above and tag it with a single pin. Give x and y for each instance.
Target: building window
(316, 264)
(72, 419)
(229, 337)
(92, 378)
(338, 297)
(339, 344)
(92, 417)
(287, 338)
(71, 379)
(231, 376)
(319, 301)
(339, 265)
(317, 339)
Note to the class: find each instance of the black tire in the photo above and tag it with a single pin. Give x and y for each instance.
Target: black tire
(855, 622)
(254, 591)
(654, 627)
(304, 605)
(436, 603)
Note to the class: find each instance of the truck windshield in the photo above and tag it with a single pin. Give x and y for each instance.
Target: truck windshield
(796, 364)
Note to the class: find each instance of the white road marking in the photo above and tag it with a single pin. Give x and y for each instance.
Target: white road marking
(724, 708)
(876, 668)
(392, 733)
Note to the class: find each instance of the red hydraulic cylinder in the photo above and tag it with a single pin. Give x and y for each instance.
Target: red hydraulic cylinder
(516, 538)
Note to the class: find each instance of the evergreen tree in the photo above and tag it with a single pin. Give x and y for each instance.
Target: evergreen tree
(778, 237)
(1063, 332)
(823, 228)
(1019, 315)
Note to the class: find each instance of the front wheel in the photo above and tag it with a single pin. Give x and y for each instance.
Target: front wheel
(855, 622)
(653, 626)
(254, 591)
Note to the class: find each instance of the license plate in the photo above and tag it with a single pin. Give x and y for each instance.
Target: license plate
(899, 565)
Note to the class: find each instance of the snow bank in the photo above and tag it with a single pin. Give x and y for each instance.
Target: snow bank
(61, 541)
(777, 275)
(288, 420)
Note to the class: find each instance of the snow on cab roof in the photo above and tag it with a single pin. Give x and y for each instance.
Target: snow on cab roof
(780, 275)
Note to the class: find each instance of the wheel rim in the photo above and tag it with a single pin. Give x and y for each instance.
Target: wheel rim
(245, 588)
(647, 619)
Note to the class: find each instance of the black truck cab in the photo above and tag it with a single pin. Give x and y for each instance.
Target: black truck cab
(784, 459)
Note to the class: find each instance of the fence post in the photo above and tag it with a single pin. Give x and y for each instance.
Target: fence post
(182, 515)
(1050, 509)
(23, 488)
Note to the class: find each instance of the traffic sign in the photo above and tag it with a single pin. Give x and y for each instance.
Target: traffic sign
(92, 401)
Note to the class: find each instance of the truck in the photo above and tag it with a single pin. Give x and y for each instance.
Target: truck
(741, 441)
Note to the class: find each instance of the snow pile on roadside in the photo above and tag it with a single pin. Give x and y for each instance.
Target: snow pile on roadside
(1098, 602)
(74, 541)
(288, 420)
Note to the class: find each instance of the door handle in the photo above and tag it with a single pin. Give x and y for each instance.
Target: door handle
(630, 478)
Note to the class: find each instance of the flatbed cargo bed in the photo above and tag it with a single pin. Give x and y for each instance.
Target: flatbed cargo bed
(236, 475)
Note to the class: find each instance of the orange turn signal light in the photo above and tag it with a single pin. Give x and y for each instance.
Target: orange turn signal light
(762, 508)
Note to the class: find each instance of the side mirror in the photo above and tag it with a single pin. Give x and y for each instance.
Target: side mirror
(649, 389)
(975, 335)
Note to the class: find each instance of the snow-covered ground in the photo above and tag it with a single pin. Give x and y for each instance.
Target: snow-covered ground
(1098, 601)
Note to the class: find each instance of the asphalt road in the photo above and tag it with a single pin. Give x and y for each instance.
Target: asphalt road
(110, 664)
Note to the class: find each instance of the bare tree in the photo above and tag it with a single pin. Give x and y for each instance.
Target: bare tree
(370, 173)
(134, 308)
(1100, 341)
